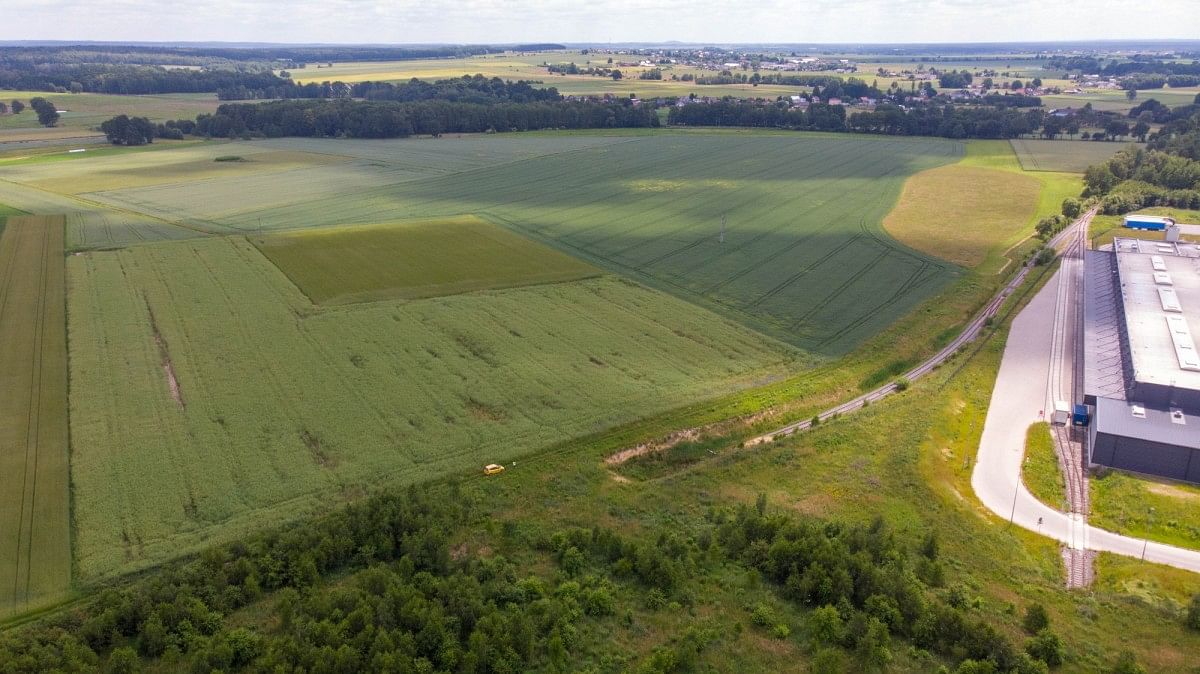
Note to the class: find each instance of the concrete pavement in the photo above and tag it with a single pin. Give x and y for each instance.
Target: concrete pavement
(1017, 399)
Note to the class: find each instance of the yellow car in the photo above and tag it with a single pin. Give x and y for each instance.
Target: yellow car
(493, 469)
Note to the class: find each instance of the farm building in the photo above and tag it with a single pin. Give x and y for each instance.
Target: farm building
(1141, 368)
(1150, 222)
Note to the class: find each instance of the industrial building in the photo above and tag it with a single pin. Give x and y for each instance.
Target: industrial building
(1141, 375)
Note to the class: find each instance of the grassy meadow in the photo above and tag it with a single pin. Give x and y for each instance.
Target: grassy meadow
(1040, 471)
(413, 260)
(35, 536)
(1146, 507)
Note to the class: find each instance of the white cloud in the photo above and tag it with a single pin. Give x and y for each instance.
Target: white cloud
(478, 21)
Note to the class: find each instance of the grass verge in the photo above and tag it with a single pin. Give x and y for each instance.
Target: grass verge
(1040, 471)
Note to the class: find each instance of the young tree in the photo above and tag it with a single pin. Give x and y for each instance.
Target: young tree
(1131, 93)
(1140, 130)
(17, 107)
(3, 108)
(1071, 207)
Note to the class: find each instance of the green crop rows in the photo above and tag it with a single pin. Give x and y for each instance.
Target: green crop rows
(210, 396)
(804, 258)
(35, 552)
(411, 260)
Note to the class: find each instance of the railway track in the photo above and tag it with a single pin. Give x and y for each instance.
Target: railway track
(1063, 384)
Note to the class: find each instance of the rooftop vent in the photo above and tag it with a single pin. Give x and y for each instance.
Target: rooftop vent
(1162, 278)
(1137, 411)
(1177, 417)
(1169, 300)
(1158, 263)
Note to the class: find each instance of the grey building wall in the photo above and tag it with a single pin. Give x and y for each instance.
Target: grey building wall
(1157, 395)
(1143, 456)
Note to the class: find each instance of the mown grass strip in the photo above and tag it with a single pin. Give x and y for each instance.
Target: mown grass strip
(35, 556)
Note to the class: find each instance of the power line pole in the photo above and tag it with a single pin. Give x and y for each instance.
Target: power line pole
(722, 228)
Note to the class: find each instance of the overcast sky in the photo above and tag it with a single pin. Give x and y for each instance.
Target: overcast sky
(497, 21)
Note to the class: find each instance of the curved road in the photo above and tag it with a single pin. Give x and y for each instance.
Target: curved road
(1018, 399)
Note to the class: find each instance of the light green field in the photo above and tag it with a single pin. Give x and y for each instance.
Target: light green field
(990, 207)
(426, 258)
(85, 111)
(1070, 156)
(35, 537)
(210, 397)
(800, 262)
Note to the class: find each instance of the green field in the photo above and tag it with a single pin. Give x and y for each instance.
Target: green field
(1071, 156)
(210, 397)
(82, 112)
(35, 543)
(427, 258)
(800, 261)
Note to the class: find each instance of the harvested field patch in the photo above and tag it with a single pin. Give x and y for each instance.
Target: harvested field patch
(35, 552)
(429, 258)
(961, 213)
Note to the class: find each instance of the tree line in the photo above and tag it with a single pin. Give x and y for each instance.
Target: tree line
(129, 79)
(468, 88)
(1164, 173)
(391, 119)
(929, 120)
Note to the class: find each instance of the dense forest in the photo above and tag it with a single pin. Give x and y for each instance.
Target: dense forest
(393, 584)
(129, 79)
(388, 119)
(1164, 173)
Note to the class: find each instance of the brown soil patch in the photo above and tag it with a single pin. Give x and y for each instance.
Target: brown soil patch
(1172, 491)
(165, 356)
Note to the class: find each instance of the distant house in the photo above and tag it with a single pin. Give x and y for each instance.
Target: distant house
(835, 101)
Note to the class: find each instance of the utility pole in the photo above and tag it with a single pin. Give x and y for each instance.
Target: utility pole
(722, 228)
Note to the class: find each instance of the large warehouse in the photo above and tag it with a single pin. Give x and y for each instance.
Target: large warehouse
(1141, 368)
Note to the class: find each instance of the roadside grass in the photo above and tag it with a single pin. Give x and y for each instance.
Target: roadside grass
(1040, 471)
(1063, 155)
(414, 260)
(961, 213)
(1145, 507)
(35, 553)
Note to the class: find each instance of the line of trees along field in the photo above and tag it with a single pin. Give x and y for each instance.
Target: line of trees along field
(380, 586)
(931, 120)
(386, 119)
(467, 89)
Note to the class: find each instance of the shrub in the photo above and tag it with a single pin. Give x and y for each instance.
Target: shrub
(1035, 619)
(1047, 647)
(1193, 613)
(902, 384)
